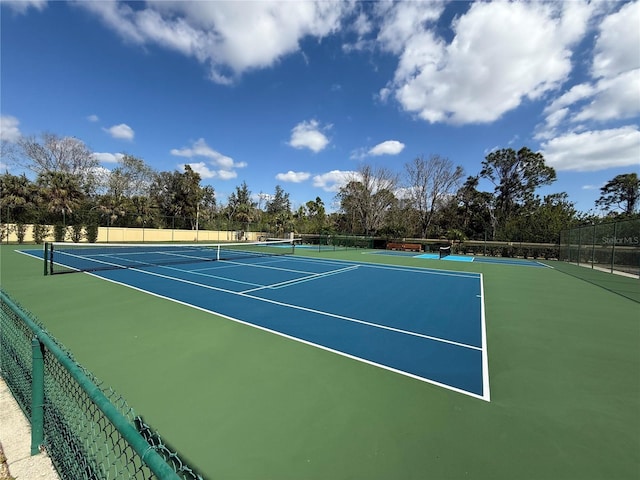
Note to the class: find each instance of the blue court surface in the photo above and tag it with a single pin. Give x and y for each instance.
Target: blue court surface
(423, 323)
(463, 258)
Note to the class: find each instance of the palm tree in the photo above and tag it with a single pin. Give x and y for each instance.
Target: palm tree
(60, 193)
(18, 195)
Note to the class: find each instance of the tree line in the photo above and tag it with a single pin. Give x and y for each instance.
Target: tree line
(431, 198)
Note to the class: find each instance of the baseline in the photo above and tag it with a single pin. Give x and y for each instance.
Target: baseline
(306, 309)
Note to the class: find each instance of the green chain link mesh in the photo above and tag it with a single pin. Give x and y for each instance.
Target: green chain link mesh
(608, 246)
(80, 440)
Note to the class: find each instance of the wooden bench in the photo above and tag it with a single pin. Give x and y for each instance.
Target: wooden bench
(405, 247)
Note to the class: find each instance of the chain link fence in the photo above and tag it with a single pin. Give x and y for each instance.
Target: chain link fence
(612, 247)
(88, 431)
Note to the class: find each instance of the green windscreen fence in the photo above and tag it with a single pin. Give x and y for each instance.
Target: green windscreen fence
(334, 242)
(607, 254)
(88, 431)
(612, 247)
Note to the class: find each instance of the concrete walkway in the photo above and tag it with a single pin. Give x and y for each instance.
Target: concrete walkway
(15, 441)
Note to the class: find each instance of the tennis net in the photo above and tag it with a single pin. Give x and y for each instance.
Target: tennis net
(63, 257)
(445, 251)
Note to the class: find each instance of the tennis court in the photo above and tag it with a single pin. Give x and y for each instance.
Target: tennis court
(462, 258)
(254, 391)
(389, 316)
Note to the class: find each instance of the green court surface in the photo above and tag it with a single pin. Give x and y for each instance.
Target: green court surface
(241, 403)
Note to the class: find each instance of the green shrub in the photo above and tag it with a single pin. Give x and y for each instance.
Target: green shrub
(40, 232)
(507, 251)
(91, 233)
(59, 232)
(76, 233)
(21, 231)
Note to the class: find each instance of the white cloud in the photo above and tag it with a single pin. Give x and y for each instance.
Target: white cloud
(229, 37)
(617, 44)
(309, 135)
(227, 174)
(614, 98)
(616, 67)
(502, 54)
(594, 150)
(21, 6)
(223, 167)
(612, 94)
(384, 94)
(390, 147)
(202, 169)
(362, 25)
(9, 131)
(358, 154)
(93, 118)
(122, 131)
(575, 94)
(200, 148)
(402, 21)
(294, 177)
(333, 180)
(106, 157)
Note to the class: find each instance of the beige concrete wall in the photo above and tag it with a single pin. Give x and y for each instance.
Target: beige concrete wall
(122, 235)
(119, 234)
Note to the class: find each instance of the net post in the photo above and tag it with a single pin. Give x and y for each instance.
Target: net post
(45, 256)
(37, 395)
(51, 259)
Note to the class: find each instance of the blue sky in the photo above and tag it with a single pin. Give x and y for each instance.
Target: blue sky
(300, 94)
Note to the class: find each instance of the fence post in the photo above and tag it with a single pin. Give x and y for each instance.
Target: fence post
(37, 395)
(593, 247)
(579, 243)
(613, 248)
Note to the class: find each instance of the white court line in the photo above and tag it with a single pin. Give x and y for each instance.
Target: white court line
(543, 264)
(485, 366)
(114, 256)
(226, 264)
(208, 275)
(118, 266)
(297, 339)
(259, 286)
(127, 255)
(383, 266)
(485, 351)
(311, 310)
(263, 265)
(296, 281)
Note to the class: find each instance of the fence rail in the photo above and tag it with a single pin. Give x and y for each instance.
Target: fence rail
(88, 431)
(612, 247)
